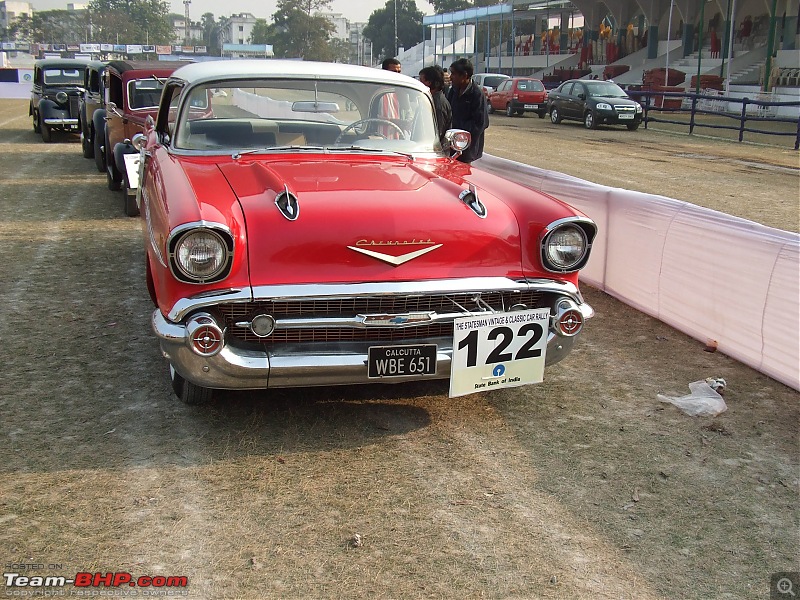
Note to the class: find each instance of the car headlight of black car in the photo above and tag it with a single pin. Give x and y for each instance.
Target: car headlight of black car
(603, 106)
(200, 254)
(638, 107)
(565, 244)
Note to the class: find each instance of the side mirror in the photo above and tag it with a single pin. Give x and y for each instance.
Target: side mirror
(139, 140)
(112, 108)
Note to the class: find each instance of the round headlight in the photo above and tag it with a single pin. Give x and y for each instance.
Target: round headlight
(565, 247)
(61, 97)
(201, 254)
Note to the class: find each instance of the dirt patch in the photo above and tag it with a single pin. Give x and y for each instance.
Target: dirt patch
(584, 486)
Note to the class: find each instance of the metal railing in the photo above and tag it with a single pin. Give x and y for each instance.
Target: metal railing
(712, 110)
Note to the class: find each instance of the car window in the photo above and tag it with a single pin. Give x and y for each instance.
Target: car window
(567, 88)
(530, 85)
(144, 93)
(329, 114)
(63, 76)
(504, 86)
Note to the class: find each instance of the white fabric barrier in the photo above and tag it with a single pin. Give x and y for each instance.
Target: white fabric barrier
(15, 90)
(710, 275)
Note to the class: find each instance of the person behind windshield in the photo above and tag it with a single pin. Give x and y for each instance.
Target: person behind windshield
(468, 104)
(433, 77)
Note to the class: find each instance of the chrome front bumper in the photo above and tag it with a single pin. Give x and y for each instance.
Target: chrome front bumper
(291, 365)
(310, 364)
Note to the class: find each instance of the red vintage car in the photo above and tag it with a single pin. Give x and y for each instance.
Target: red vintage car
(519, 95)
(307, 228)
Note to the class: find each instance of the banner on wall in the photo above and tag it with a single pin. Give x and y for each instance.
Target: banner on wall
(148, 49)
(133, 49)
(90, 48)
(163, 49)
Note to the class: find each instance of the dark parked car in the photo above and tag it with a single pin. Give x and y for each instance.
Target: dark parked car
(132, 93)
(55, 96)
(519, 95)
(92, 113)
(593, 102)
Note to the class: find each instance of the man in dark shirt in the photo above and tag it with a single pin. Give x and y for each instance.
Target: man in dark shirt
(468, 105)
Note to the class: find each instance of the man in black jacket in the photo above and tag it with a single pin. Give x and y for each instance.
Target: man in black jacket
(468, 105)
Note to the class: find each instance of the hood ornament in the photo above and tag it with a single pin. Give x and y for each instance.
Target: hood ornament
(287, 204)
(363, 246)
(470, 198)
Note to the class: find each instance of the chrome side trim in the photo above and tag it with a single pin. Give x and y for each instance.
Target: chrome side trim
(150, 231)
(60, 121)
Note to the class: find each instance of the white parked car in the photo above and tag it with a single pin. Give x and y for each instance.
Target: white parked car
(489, 81)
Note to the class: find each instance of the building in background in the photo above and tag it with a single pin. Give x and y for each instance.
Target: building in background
(179, 30)
(10, 11)
(237, 28)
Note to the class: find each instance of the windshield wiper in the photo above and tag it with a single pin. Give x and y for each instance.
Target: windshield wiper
(269, 149)
(365, 149)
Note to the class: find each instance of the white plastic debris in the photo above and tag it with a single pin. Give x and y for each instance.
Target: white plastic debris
(704, 401)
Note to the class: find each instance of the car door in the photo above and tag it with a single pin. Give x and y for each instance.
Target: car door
(561, 98)
(502, 95)
(574, 105)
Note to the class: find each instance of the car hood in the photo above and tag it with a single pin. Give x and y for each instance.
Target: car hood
(360, 220)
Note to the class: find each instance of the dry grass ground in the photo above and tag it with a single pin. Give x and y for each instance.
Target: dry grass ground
(581, 487)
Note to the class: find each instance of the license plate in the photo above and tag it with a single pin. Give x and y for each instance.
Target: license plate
(624, 116)
(401, 361)
(498, 350)
(532, 106)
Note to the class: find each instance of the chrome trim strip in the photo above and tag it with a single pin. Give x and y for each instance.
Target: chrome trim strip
(150, 231)
(335, 291)
(194, 225)
(186, 305)
(559, 222)
(60, 121)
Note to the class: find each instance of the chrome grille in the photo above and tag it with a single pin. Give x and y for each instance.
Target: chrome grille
(74, 106)
(350, 307)
(624, 109)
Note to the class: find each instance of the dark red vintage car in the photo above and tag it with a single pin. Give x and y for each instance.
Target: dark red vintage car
(519, 95)
(132, 92)
(303, 226)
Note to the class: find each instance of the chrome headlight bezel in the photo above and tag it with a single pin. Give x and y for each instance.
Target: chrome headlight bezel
(581, 229)
(603, 106)
(180, 256)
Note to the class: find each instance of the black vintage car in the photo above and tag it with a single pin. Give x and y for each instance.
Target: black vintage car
(55, 96)
(593, 102)
(92, 113)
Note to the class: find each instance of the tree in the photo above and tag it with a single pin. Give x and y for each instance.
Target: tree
(446, 6)
(299, 32)
(211, 31)
(131, 21)
(381, 27)
(262, 32)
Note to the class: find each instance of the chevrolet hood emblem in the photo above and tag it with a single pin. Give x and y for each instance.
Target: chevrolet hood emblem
(394, 260)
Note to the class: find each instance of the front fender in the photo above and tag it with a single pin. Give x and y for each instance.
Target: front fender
(120, 150)
(51, 110)
(99, 123)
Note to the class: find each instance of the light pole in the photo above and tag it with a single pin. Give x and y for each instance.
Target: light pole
(700, 45)
(395, 28)
(186, 4)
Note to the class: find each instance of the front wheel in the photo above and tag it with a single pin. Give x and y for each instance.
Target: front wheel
(188, 392)
(37, 127)
(509, 111)
(589, 120)
(555, 116)
(632, 126)
(489, 108)
(47, 133)
(542, 114)
(97, 143)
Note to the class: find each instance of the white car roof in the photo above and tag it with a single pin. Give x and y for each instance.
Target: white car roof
(219, 70)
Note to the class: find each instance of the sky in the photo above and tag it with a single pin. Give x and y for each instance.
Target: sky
(357, 11)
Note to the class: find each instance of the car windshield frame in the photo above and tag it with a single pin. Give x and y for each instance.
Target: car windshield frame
(493, 81)
(252, 116)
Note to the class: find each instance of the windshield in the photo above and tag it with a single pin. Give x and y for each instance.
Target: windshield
(606, 89)
(63, 77)
(530, 85)
(278, 115)
(494, 80)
